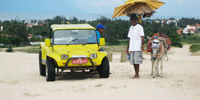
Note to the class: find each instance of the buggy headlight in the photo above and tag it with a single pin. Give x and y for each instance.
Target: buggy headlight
(93, 55)
(64, 56)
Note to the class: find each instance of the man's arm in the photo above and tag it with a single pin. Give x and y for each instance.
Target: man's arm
(142, 45)
(127, 47)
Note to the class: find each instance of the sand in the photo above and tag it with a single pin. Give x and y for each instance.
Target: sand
(20, 80)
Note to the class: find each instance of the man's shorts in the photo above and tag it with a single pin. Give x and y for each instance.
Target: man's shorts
(136, 57)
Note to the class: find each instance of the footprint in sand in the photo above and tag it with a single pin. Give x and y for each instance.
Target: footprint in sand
(31, 95)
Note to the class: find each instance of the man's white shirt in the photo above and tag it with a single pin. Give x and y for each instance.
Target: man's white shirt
(135, 33)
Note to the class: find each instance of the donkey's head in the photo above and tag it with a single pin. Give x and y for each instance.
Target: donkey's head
(156, 45)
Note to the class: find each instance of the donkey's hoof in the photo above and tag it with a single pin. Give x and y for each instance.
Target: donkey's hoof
(154, 77)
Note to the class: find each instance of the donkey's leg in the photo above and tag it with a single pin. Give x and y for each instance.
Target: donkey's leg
(161, 67)
(152, 67)
(156, 68)
(152, 62)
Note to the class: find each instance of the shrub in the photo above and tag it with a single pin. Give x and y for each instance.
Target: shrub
(194, 48)
(15, 40)
(4, 40)
(191, 39)
(177, 44)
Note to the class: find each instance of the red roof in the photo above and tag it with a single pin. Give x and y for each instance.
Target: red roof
(179, 31)
(191, 29)
(198, 25)
(30, 34)
(41, 24)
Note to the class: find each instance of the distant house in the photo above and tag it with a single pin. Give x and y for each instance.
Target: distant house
(198, 27)
(30, 35)
(189, 29)
(29, 25)
(157, 21)
(41, 24)
(172, 21)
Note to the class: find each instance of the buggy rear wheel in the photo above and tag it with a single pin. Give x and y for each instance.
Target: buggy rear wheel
(41, 66)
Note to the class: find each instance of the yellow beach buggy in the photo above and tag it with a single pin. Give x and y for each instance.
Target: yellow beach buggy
(72, 48)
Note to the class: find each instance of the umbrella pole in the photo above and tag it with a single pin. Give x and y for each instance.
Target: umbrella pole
(140, 19)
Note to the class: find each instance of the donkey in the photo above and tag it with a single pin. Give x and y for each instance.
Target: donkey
(159, 49)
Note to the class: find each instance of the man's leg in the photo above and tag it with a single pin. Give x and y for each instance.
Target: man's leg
(136, 67)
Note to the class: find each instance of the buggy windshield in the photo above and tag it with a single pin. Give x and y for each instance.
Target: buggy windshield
(67, 37)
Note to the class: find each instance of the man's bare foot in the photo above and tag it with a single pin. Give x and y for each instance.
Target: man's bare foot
(135, 77)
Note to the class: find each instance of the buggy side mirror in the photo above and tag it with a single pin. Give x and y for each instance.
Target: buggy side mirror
(47, 42)
(102, 41)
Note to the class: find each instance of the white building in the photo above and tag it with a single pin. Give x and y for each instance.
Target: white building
(172, 21)
(189, 29)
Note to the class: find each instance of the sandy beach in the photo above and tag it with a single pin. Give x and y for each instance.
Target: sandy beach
(20, 80)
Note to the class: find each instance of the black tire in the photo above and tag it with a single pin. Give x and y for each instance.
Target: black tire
(41, 66)
(104, 69)
(50, 71)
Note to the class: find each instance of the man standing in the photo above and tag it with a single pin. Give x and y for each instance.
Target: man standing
(135, 46)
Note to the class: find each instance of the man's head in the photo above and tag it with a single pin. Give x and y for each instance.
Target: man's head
(134, 19)
(160, 33)
(100, 28)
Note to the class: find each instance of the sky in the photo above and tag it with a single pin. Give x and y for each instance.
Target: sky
(88, 9)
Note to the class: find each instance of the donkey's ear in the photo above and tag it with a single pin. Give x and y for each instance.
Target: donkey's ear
(150, 39)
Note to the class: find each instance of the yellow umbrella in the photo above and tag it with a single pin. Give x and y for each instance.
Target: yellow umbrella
(140, 7)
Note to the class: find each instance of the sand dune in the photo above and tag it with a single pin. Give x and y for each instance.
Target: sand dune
(20, 80)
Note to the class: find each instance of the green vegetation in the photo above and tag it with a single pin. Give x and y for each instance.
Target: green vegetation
(15, 40)
(168, 30)
(193, 40)
(123, 42)
(4, 40)
(190, 39)
(194, 48)
(30, 50)
(112, 41)
(17, 32)
(183, 22)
